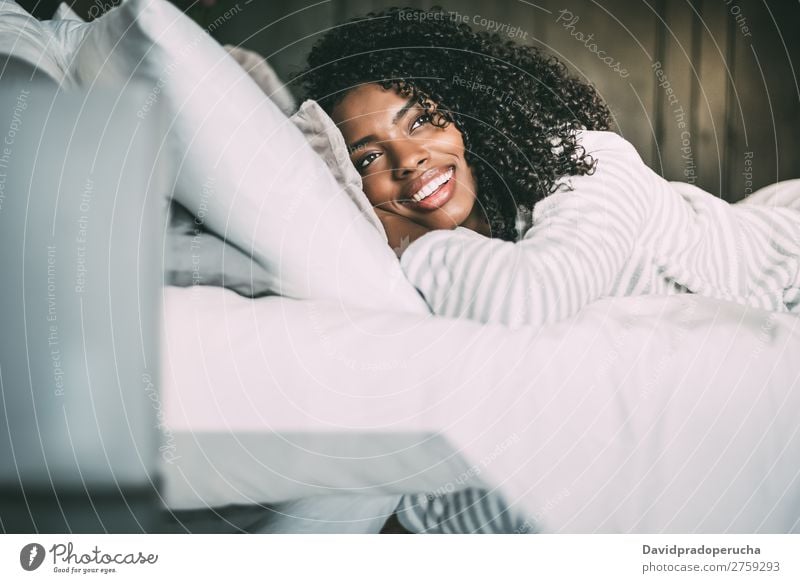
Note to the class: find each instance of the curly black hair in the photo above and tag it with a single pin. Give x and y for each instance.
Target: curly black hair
(512, 103)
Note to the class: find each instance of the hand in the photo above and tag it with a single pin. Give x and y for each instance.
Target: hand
(400, 231)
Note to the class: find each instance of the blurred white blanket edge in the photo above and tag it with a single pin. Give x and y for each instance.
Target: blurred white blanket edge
(643, 414)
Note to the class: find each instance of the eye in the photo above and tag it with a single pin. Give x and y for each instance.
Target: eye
(421, 120)
(366, 161)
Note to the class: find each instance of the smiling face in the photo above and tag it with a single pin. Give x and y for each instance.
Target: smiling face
(408, 165)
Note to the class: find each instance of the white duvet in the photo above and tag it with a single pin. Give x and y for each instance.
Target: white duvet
(642, 414)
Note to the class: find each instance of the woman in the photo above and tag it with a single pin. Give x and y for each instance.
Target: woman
(504, 195)
(507, 199)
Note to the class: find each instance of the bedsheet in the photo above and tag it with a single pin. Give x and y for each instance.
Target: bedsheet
(643, 414)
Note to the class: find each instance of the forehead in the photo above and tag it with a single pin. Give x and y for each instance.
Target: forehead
(367, 105)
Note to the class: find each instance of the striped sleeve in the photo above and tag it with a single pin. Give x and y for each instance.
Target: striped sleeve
(573, 254)
(469, 511)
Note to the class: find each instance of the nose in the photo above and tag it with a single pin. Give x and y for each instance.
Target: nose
(409, 156)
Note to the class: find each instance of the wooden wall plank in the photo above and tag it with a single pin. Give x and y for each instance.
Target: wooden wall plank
(711, 97)
(784, 79)
(583, 33)
(675, 75)
(764, 141)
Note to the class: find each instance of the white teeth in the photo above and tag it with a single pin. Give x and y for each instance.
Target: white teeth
(431, 186)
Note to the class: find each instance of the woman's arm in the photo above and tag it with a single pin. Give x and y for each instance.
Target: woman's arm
(572, 255)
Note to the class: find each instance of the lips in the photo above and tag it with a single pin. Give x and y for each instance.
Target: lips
(430, 190)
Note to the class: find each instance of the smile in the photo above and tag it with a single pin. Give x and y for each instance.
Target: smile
(431, 190)
(432, 186)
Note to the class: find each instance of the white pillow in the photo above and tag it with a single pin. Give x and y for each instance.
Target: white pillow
(317, 127)
(244, 169)
(328, 142)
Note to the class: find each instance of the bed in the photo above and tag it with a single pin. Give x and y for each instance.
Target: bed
(304, 386)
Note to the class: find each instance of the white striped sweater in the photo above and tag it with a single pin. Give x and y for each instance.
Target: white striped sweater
(621, 231)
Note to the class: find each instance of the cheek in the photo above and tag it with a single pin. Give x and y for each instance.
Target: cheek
(452, 143)
(458, 148)
(378, 189)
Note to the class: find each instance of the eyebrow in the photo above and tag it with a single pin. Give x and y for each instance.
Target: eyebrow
(411, 103)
